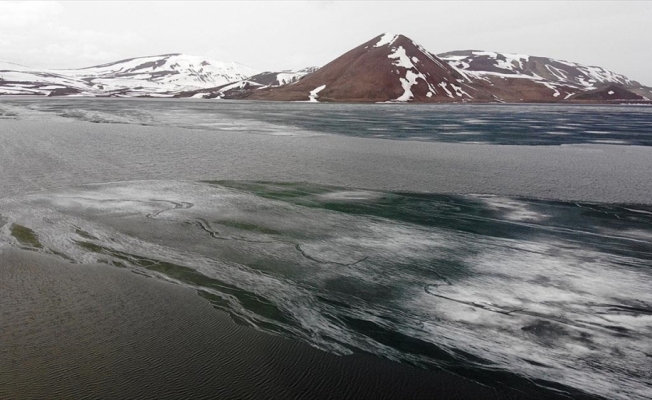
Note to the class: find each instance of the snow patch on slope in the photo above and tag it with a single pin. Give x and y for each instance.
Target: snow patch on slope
(413, 74)
(164, 73)
(284, 78)
(407, 83)
(443, 86)
(486, 65)
(509, 62)
(386, 40)
(460, 92)
(402, 59)
(291, 76)
(314, 93)
(157, 76)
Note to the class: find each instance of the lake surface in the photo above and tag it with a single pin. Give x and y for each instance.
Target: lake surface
(534, 124)
(527, 258)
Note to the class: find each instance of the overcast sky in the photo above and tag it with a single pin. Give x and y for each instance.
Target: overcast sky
(275, 35)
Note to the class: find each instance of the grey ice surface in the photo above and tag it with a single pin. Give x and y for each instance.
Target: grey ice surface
(41, 154)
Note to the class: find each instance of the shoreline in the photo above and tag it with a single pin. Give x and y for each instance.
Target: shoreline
(564, 103)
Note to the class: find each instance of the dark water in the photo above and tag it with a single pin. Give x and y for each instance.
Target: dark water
(91, 331)
(544, 297)
(495, 124)
(555, 292)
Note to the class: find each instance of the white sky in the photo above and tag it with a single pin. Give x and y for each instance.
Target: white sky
(271, 35)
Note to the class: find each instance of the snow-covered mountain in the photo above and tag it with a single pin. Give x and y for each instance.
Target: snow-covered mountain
(487, 63)
(563, 79)
(18, 79)
(395, 68)
(387, 68)
(163, 75)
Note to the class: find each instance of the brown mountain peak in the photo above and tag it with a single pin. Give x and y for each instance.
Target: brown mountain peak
(388, 67)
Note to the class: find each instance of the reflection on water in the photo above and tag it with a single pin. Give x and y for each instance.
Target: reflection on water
(552, 291)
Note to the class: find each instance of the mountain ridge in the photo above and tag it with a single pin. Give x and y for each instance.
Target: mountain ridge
(557, 75)
(387, 68)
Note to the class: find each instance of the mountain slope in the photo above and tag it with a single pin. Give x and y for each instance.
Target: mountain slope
(281, 78)
(386, 68)
(244, 88)
(606, 94)
(18, 79)
(562, 79)
(234, 91)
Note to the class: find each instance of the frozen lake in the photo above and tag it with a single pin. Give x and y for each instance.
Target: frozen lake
(526, 253)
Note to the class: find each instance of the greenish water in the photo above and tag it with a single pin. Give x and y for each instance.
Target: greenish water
(25, 236)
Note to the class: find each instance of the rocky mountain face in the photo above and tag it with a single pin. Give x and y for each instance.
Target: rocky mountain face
(392, 68)
(516, 77)
(388, 68)
(609, 93)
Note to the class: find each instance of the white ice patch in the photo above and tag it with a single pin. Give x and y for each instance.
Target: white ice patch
(287, 77)
(460, 92)
(314, 93)
(484, 75)
(402, 59)
(386, 39)
(454, 58)
(557, 73)
(443, 86)
(605, 141)
(489, 54)
(407, 83)
(513, 210)
(551, 86)
(475, 121)
(510, 59)
(350, 195)
(238, 85)
(594, 132)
